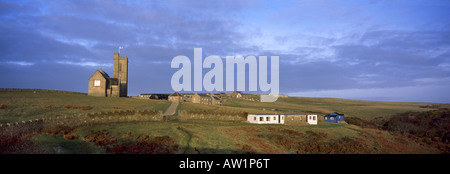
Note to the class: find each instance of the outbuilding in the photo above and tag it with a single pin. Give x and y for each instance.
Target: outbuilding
(175, 97)
(334, 117)
(287, 119)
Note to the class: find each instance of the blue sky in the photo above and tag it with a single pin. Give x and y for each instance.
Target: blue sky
(391, 50)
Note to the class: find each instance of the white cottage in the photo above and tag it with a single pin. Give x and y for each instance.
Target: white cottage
(288, 119)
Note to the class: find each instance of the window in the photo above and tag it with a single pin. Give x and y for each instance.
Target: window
(96, 82)
(254, 118)
(267, 118)
(274, 118)
(314, 117)
(331, 118)
(261, 119)
(326, 118)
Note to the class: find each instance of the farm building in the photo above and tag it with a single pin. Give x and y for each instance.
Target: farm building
(155, 96)
(206, 99)
(201, 98)
(215, 100)
(235, 94)
(334, 117)
(287, 119)
(175, 97)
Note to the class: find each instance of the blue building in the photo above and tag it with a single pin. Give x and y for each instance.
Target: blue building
(334, 117)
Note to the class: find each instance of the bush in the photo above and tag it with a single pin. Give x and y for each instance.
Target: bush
(46, 106)
(363, 123)
(212, 115)
(78, 107)
(433, 124)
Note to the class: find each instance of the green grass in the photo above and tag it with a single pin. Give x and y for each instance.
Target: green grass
(202, 136)
(352, 108)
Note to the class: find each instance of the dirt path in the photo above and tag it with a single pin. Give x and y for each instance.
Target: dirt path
(172, 109)
(189, 137)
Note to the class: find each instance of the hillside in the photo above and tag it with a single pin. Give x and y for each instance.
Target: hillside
(77, 123)
(352, 108)
(25, 104)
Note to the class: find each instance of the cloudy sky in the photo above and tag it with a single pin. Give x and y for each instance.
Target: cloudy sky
(393, 50)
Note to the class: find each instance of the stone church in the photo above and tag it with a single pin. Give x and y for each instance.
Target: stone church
(100, 84)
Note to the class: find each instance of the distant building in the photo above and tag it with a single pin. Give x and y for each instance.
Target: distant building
(216, 100)
(208, 99)
(235, 94)
(334, 117)
(100, 84)
(288, 119)
(155, 96)
(177, 97)
(147, 96)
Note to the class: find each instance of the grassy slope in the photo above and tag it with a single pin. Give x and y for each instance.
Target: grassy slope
(217, 137)
(25, 105)
(352, 108)
(226, 138)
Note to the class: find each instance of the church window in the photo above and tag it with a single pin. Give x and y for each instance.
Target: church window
(96, 82)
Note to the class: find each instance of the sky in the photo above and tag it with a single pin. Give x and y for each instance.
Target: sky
(393, 50)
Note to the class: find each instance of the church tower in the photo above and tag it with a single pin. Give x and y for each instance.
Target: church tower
(121, 73)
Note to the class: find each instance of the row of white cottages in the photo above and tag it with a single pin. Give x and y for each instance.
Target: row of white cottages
(288, 119)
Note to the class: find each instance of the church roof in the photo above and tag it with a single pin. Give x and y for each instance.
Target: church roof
(104, 74)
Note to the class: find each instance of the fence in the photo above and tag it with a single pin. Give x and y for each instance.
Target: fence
(212, 115)
(43, 124)
(38, 90)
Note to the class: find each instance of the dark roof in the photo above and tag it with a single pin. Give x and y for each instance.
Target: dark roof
(104, 74)
(202, 95)
(152, 94)
(238, 92)
(113, 81)
(334, 114)
(175, 94)
(215, 98)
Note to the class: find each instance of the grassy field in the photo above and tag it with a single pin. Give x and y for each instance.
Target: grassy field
(201, 136)
(25, 104)
(222, 138)
(352, 108)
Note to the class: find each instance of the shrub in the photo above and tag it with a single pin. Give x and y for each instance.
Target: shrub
(78, 107)
(87, 108)
(362, 123)
(433, 124)
(146, 145)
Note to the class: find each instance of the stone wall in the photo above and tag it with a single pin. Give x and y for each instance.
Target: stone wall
(38, 125)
